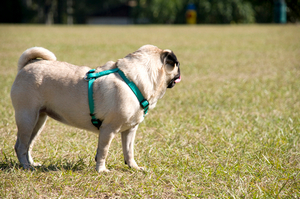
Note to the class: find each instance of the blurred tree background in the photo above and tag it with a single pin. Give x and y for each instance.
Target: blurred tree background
(144, 11)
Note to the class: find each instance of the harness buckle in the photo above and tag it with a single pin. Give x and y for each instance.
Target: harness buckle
(144, 103)
(86, 78)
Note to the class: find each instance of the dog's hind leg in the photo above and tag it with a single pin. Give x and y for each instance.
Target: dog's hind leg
(36, 131)
(29, 123)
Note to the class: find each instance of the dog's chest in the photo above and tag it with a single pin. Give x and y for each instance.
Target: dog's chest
(132, 123)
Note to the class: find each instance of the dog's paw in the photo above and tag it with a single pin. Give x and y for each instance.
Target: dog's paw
(102, 169)
(36, 164)
(142, 168)
(137, 168)
(133, 165)
(28, 167)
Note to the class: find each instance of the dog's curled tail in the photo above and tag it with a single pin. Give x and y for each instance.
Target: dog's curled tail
(33, 53)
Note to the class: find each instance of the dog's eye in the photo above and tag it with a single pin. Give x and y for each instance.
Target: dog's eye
(169, 58)
(170, 62)
(172, 59)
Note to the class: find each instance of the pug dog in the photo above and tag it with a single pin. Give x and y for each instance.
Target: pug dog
(45, 87)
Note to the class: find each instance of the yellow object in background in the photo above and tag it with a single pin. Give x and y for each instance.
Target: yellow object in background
(191, 14)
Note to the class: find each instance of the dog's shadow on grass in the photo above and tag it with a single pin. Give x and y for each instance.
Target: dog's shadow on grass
(11, 165)
(65, 166)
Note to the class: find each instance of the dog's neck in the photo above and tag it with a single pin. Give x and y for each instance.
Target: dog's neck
(150, 81)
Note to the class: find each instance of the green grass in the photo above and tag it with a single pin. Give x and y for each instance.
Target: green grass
(230, 129)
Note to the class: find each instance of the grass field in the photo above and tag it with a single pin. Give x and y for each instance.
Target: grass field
(230, 129)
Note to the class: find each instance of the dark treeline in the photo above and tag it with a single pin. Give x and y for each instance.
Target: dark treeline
(145, 11)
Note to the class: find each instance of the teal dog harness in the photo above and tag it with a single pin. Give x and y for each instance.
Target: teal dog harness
(91, 76)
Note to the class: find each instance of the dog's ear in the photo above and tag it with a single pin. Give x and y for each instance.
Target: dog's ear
(169, 58)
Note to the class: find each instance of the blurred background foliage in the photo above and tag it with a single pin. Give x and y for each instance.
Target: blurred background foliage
(144, 11)
(208, 11)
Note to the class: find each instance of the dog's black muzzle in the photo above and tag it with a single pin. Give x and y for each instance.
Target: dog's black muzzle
(175, 79)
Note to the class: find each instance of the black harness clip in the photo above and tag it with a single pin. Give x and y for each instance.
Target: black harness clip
(96, 122)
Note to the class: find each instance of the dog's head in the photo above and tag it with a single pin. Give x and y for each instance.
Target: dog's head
(153, 70)
(171, 66)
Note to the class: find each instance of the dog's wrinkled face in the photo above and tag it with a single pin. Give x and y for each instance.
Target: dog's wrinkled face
(171, 64)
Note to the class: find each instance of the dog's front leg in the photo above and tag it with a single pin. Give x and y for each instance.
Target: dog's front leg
(128, 147)
(105, 137)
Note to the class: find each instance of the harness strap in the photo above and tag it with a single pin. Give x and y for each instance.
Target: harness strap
(143, 102)
(91, 77)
